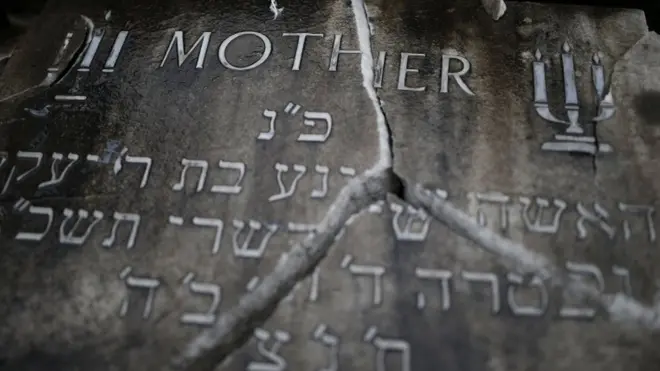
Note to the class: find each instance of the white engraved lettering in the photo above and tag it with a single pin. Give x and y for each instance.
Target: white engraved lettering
(309, 121)
(69, 237)
(491, 280)
(647, 211)
(146, 161)
(599, 218)
(222, 51)
(38, 156)
(414, 217)
(37, 236)
(444, 276)
(336, 51)
(284, 193)
(404, 70)
(211, 290)
(367, 270)
(140, 283)
(237, 187)
(134, 219)
(182, 55)
(322, 335)
(384, 346)
(243, 249)
(624, 274)
(496, 198)
(515, 281)
(186, 163)
(323, 170)
(56, 179)
(542, 204)
(212, 223)
(302, 37)
(579, 271)
(275, 361)
(272, 115)
(445, 74)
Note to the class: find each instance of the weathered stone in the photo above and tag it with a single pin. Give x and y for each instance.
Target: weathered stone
(63, 301)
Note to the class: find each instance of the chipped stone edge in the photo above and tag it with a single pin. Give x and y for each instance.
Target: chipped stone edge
(494, 8)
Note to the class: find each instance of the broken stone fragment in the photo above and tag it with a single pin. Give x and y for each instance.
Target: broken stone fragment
(495, 8)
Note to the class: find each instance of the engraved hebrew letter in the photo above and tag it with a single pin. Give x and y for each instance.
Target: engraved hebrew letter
(367, 270)
(284, 192)
(313, 288)
(275, 361)
(323, 170)
(4, 162)
(272, 115)
(406, 231)
(211, 290)
(56, 179)
(68, 237)
(310, 118)
(444, 277)
(322, 335)
(214, 223)
(515, 281)
(314, 285)
(21, 205)
(139, 283)
(384, 346)
(647, 211)
(134, 219)
(598, 218)
(579, 271)
(487, 278)
(37, 236)
(243, 249)
(493, 198)
(624, 274)
(37, 156)
(186, 163)
(537, 225)
(237, 187)
(146, 161)
(347, 171)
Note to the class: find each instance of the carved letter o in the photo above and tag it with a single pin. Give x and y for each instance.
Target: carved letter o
(268, 48)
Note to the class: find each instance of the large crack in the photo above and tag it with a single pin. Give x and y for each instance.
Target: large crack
(235, 327)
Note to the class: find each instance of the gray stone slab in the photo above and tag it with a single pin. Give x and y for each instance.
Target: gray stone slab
(484, 147)
(396, 286)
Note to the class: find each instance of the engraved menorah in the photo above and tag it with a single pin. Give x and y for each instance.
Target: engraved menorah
(573, 139)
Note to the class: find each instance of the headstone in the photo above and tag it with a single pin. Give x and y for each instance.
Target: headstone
(157, 161)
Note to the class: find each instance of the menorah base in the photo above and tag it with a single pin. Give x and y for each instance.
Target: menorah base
(576, 144)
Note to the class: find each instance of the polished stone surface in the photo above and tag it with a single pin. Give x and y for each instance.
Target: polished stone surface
(198, 245)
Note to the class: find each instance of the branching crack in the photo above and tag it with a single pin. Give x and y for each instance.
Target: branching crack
(235, 327)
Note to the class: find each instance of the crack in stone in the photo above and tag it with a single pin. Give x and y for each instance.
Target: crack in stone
(385, 139)
(236, 326)
(620, 307)
(63, 67)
